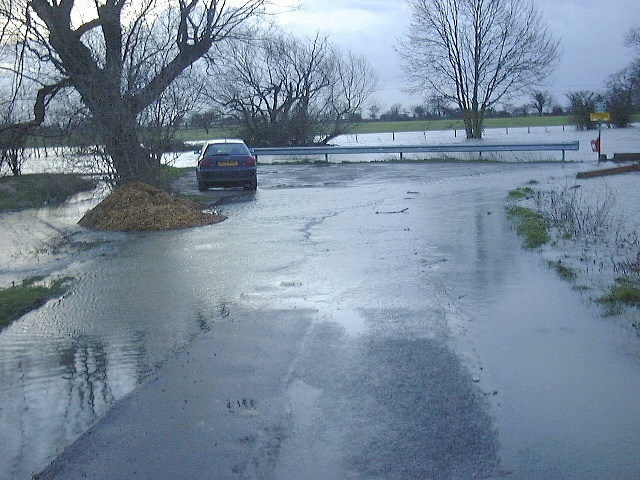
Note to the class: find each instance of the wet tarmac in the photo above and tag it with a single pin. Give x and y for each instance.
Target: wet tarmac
(346, 321)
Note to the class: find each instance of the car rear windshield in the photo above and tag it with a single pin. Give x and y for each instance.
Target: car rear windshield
(226, 149)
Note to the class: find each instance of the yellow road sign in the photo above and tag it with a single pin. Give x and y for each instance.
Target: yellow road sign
(600, 117)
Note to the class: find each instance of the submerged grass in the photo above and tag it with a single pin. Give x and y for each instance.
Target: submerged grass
(626, 290)
(40, 189)
(574, 215)
(520, 193)
(563, 270)
(31, 294)
(531, 225)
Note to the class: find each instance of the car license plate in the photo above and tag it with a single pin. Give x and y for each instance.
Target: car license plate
(227, 164)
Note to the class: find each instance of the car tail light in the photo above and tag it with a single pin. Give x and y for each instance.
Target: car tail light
(250, 161)
(206, 162)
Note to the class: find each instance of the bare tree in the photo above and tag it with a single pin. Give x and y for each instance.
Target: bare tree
(354, 81)
(120, 56)
(620, 98)
(632, 39)
(632, 72)
(15, 128)
(438, 105)
(395, 113)
(476, 52)
(24, 94)
(161, 120)
(264, 83)
(374, 110)
(287, 91)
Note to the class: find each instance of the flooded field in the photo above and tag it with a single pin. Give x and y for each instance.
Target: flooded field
(383, 252)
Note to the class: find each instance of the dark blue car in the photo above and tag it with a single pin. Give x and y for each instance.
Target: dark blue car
(226, 163)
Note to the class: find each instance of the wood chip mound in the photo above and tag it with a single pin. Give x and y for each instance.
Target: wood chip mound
(142, 207)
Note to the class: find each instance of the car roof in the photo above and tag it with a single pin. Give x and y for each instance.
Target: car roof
(224, 140)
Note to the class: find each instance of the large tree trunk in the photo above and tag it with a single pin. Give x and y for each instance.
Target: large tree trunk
(131, 160)
(120, 135)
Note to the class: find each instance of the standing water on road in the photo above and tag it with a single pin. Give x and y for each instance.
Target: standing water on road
(433, 335)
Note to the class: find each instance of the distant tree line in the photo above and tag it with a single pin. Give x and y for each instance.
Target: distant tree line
(121, 76)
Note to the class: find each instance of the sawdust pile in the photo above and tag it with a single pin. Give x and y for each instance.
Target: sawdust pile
(141, 207)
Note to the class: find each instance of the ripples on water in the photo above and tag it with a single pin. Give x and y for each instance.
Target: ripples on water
(65, 365)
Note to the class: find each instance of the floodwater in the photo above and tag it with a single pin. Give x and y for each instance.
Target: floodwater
(393, 254)
(613, 140)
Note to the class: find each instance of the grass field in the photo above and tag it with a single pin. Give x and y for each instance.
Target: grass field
(37, 190)
(427, 125)
(403, 126)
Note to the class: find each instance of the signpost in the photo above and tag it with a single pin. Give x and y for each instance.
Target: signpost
(600, 115)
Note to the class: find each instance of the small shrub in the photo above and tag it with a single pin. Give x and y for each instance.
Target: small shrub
(169, 174)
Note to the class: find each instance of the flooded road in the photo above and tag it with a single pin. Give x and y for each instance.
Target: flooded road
(346, 321)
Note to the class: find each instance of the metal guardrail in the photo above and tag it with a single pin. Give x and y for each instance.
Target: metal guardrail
(327, 150)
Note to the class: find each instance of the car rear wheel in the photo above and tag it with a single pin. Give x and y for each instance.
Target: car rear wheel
(202, 187)
(252, 185)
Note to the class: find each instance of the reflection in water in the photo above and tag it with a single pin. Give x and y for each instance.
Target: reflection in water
(84, 365)
(62, 367)
(55, 386)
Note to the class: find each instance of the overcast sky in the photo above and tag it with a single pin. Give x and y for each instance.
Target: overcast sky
(590, 33)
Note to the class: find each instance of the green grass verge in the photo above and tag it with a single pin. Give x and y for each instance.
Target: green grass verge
(169, 174)
(38, 190)
(32, 293)
(200, 134)
(519, 193)
(531, 225)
